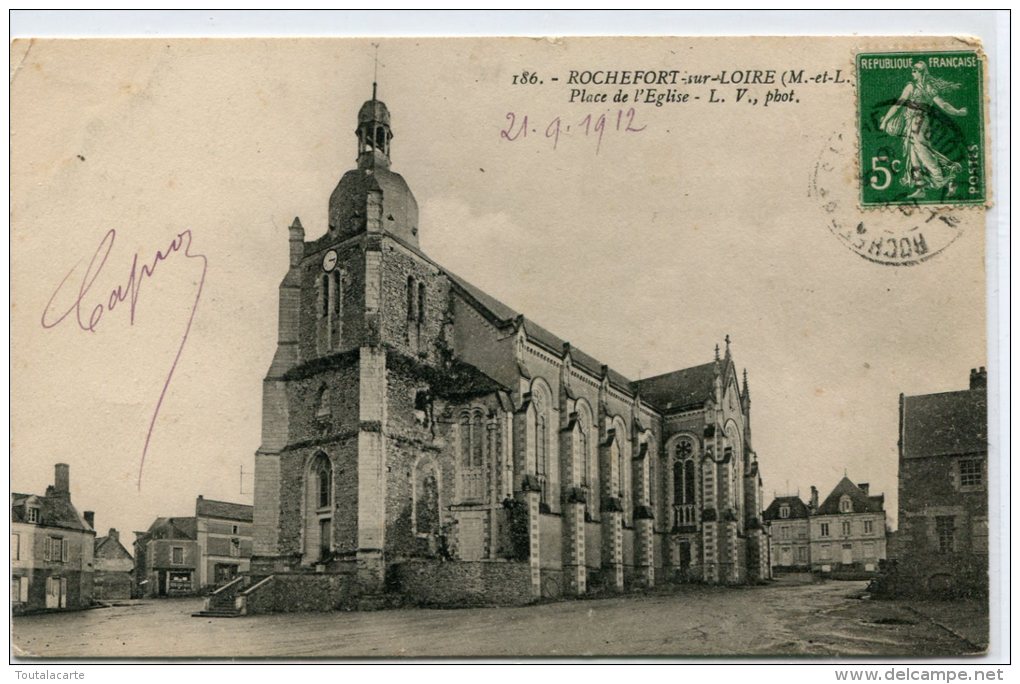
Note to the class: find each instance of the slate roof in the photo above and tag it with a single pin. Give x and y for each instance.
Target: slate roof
(945, 423)
(681, 389)
(110, 547)
(173, 528)
(691, 379)
(54, 511)
(861, 502)
(798, 509)
(502, 314)
(210, 508)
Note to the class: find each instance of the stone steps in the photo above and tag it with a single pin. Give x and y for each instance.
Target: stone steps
(218, 613)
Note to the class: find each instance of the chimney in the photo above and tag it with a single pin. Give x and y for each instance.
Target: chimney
(62, 480)
(90, 518)
(978, 378)
(113, 534)
(864, 486)
(813, 506)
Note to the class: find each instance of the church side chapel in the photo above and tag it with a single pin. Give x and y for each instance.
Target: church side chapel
(423, 441)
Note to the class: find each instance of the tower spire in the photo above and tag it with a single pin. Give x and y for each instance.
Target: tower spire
(375, 70)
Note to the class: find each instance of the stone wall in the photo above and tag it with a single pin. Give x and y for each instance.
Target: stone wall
(435, 583)
(344, 454)
(302, 592)
(351, 330)
(397, 329)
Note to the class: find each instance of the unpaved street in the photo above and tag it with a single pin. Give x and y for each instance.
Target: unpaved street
(786, 618)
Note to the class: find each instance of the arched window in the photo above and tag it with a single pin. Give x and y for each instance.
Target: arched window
(477, 439)
(587, 463)
(845, 505)
(541, 445)
(465, 440)
(585, 456)
(318, 535)
(324, 483)
(324, 296)
(678, 482)
(472, 457)
(421, 303)
(684, 480)
(689, 482)
(620, 469)
(323, 407)
(426, 499)
(410, 298)
(337, 305)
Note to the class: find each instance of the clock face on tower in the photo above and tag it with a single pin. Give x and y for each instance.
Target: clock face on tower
(329, 261)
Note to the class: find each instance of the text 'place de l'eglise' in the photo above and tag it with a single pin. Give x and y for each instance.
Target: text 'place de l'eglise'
(424, 443)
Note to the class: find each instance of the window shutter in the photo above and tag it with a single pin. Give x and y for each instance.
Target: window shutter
(46, 548)
(63, 550)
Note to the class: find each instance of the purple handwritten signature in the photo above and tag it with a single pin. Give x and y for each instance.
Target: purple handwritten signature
(88, 316)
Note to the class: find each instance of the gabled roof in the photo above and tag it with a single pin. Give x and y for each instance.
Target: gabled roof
(681, 389)
(945, 423)
(502, 314)
(110, 547)
(210, 508)
(798, 509)
(861, 502)
(54, 511)
(173, 528)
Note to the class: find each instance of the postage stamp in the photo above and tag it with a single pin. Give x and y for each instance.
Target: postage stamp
(921, 128)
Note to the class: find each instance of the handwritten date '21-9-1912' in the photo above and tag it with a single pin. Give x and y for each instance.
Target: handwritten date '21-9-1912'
(590, 126)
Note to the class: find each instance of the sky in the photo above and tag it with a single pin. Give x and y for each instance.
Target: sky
(644, 249)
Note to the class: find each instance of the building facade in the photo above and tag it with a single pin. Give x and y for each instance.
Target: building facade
(787, 519)
(166, 558)
(51, 550)
(114, 568)
(224, 535)
(942, 541)
(410, 418)
(848, 530)
(181, 556)
(845, 534)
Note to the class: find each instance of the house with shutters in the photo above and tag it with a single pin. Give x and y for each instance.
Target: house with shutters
(51, 550)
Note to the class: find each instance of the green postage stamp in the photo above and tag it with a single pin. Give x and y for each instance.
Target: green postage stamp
(921, 127)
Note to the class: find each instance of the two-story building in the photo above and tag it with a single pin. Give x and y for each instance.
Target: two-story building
(942, 545)
(51, 550)
(166, 558)
(185, 555)
(848, 531)
(224, 536)
(787, 518)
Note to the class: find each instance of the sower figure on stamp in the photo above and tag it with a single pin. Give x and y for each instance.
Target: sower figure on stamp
(911, 118)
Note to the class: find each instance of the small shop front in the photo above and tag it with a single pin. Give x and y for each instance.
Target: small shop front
(176, 582)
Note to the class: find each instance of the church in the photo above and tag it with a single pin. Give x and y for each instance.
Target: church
(422, 440)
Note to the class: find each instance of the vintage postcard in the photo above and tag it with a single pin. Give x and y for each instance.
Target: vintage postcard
(501, 347)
